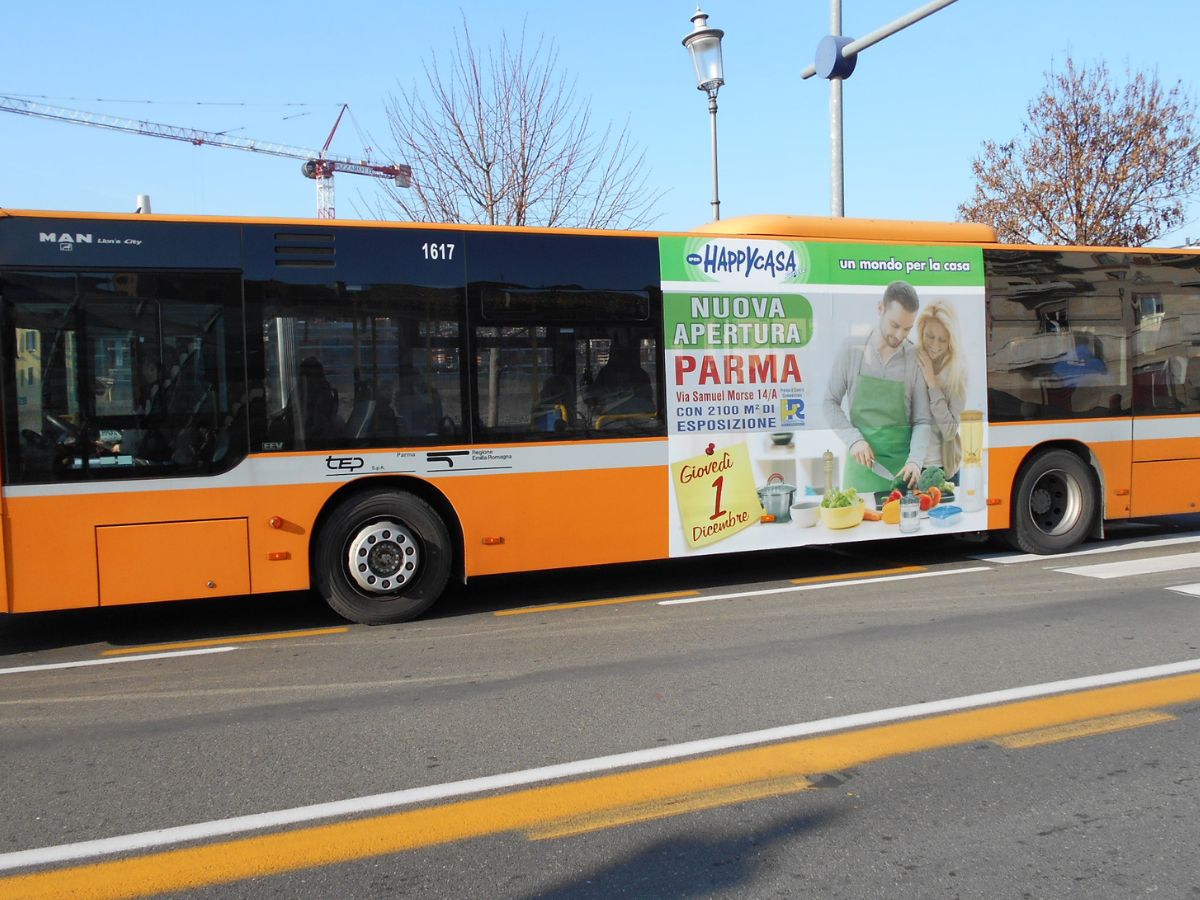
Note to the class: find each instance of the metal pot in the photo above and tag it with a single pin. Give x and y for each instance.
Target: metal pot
(776, 498)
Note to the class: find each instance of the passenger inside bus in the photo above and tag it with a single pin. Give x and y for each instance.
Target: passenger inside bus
(145, 440)
(557, 399)
(310, 417)
(622, 388)
(416, 403)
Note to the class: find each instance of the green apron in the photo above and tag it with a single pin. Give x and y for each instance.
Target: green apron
(879, 412)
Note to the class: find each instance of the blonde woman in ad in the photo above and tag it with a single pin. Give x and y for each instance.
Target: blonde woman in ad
(940, 357)
(876, 400)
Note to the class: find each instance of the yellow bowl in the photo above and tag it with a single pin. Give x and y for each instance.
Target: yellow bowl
(842, 516)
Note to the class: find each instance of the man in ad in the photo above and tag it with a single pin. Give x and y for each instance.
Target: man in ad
(886, 422)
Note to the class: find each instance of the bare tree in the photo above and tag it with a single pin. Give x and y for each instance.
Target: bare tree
(1096, 163)
(503, 139)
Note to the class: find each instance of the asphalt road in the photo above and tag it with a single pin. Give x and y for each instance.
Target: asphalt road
(279, 707)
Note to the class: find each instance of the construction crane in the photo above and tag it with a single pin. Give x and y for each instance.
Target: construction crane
(318, 164)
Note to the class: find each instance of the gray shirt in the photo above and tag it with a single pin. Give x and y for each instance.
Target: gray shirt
(857, 357)
(945, 413)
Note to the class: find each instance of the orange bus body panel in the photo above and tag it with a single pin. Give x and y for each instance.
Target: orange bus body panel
(1113, 460)
(66, 548)
(185, 560)
(561, 519)
(1166, 487)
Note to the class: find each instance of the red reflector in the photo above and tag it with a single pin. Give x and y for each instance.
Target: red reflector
(766, 519)
(492, 541)
(994, 501)
(275, 522)
(278, 554)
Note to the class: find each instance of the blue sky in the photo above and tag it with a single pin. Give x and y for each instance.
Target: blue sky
(916, 109)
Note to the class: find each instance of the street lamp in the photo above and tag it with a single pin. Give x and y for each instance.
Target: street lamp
(704, 44)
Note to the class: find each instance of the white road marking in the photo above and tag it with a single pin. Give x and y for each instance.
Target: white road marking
(1192, 589)
(1128, 567)
(163, 837)
(797, 588)
(113, 660)
(1108, 547)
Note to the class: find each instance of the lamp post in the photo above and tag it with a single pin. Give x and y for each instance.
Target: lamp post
(704, 44)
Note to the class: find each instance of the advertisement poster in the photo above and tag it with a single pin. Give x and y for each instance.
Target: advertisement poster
(822, 393)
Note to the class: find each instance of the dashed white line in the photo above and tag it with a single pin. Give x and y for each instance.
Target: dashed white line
(1108, 547)
(797, 588)
(1128, 567)
(79, 664)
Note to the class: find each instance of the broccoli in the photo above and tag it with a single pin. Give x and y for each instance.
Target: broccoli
(931, 477)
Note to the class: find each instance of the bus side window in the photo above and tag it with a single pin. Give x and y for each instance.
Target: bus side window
(127, 374)
(1057, 340)
(376, 366)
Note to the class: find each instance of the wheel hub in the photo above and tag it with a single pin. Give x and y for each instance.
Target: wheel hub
(1056, 502)
(383, 557)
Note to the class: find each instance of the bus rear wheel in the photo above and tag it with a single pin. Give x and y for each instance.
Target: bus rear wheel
(382, 557)
(1054, 503)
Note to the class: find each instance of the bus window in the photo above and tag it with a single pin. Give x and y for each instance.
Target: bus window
(566, 381)
(1166, 337)
(1058, 342)
(127, 375)
(565, 336)
(359, 366)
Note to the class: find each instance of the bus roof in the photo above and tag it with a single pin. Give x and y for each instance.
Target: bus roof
(779, 227)
(839, 229)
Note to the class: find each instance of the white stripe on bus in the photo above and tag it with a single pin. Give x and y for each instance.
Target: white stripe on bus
(315, 468)
(1027, 434)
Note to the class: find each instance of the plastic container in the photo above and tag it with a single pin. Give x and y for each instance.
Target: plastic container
(945, 516)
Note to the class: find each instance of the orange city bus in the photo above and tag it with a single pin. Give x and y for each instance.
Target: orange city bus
(198, 407)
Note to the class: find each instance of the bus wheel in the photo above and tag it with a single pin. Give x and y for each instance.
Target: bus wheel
(382, 557)
(1054, 503)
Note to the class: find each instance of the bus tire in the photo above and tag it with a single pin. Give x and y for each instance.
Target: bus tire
(1054, 503)
(382, 557)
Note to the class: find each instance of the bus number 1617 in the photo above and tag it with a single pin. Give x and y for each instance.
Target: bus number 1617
(438, 251)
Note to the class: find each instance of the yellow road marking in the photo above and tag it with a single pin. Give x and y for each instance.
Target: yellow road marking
(580, 604)
(846, 576)
(529, 808)
(1103, 725)
(215, 642)
(677, 806)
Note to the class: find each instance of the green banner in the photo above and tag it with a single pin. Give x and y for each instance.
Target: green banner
(729, 261)
(737, 321)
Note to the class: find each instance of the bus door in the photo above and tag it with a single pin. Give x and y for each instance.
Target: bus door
(1165, 306)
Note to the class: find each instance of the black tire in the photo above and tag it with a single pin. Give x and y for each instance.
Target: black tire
(402, 552)
(1054, 503)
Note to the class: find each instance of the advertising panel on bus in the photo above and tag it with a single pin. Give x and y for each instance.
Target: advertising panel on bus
(822, 392)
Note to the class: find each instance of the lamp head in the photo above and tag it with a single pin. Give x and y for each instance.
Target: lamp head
(704, 44)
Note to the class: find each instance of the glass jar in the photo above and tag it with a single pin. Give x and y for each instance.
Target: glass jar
(910, 513)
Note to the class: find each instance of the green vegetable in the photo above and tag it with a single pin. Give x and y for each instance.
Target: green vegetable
(838, 499)
(899, 483)
(931, 477)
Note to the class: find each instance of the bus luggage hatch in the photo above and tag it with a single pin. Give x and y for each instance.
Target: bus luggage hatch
(173, 560)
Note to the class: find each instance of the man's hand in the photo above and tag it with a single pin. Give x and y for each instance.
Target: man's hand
(863, 453)
(911, 473)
